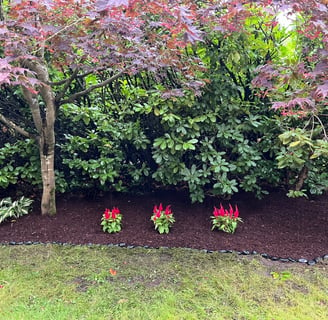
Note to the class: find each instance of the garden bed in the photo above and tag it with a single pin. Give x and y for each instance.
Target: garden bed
(277, 226)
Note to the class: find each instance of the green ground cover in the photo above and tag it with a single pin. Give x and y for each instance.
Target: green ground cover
(79, 282)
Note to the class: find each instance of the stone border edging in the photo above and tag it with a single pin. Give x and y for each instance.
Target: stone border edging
(311, 262)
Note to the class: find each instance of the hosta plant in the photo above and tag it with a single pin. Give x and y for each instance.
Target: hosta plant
(14, 209)
(225, 220)
(112, 220)
(163, 219)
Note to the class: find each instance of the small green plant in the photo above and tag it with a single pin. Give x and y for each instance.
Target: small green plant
(225, 220)
(112, 220)
(283, 275)
(297, 193)
(14, 209)
(163, 219)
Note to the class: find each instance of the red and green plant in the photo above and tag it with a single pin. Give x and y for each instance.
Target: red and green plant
(163, 219)
(225, 220)
(112, 220)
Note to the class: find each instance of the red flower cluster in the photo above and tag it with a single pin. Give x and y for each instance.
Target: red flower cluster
(111, 214)
(111, 220)
(233, 214)
(158, 211)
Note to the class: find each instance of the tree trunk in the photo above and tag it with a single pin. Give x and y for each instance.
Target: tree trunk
(48, 202)
(302, 176)
(44, 120)
(47, 157)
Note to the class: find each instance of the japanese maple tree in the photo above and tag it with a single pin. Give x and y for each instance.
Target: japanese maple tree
(47, 46)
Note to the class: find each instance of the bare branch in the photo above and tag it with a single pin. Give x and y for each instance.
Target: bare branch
(77, 95)
(80, 76)
(15, 127)
(323, 128)
(67, 84)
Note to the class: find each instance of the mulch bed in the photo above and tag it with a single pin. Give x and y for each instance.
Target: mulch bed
(276, 225)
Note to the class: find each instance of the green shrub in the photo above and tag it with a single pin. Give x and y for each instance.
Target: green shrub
(19, 162)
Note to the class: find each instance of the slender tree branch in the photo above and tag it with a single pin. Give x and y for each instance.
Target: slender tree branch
(77, 95)
(67, 84)
(233, 77)
(15, 127)
(323, 127)
(80, 76)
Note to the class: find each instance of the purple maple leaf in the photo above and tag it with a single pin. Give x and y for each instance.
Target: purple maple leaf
(322, 91)
(103, 5)
(302, 102)
(192, 34)
(4, 77)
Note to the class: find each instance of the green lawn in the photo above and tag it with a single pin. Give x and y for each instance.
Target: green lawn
(75, 282)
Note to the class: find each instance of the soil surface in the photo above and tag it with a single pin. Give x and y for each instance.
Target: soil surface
(276, 225)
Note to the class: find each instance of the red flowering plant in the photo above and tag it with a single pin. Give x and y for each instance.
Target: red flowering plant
(225, 220)
(163, 219)
(112, 220)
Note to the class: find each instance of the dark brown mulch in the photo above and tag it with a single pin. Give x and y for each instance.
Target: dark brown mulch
(276, 225)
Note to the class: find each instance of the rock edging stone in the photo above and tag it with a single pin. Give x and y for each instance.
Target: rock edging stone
(310, 262)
